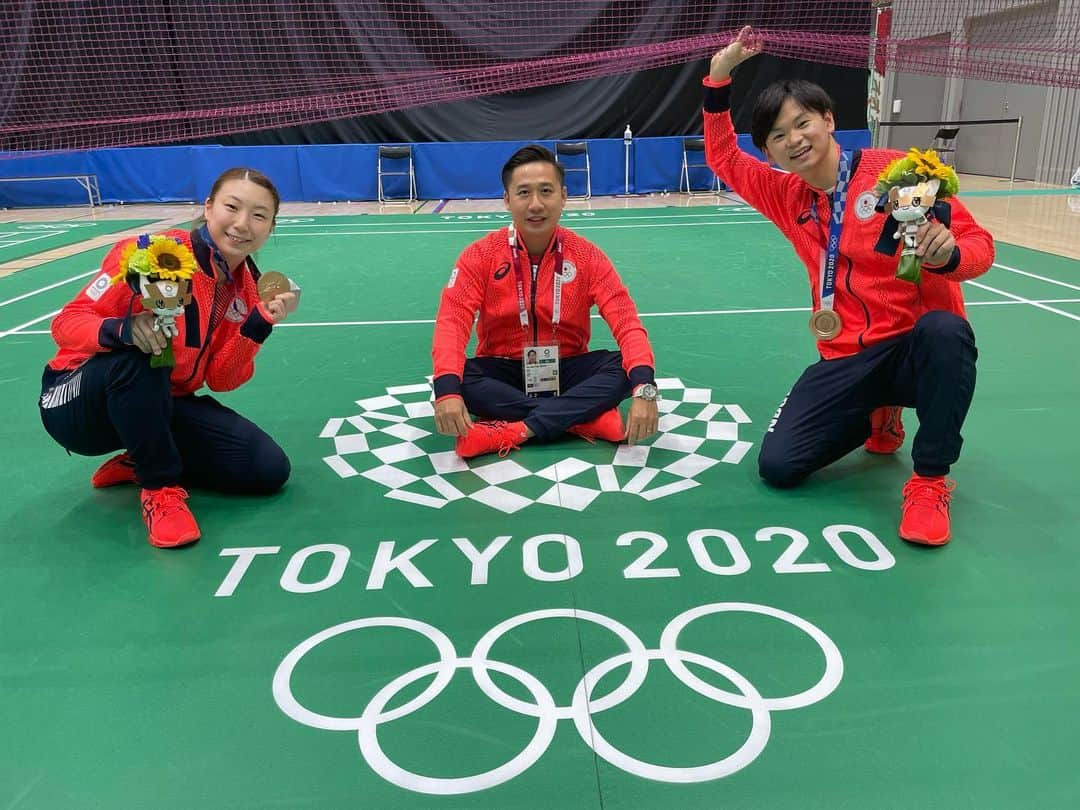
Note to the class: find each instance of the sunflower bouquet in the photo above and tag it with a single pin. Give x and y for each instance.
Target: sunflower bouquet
(162, 267)
(909, 187)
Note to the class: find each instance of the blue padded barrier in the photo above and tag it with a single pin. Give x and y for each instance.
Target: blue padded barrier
(333, 172)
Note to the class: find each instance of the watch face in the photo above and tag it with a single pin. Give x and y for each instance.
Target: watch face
(648, 392)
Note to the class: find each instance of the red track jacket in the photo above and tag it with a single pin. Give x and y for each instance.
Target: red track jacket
(220, 331)
(872, 303)
(483, 281)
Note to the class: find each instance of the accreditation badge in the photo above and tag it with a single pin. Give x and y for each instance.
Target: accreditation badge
(540, 368)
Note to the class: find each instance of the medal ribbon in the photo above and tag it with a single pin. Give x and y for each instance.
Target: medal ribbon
(832, 252)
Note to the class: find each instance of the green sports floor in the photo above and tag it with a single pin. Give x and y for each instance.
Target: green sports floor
(573, 626)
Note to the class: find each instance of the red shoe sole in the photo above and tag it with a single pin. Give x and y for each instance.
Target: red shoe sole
(183, 541)
(922, 541)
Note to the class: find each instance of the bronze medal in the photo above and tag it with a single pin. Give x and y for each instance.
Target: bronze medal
(825, 324)
(272, 284)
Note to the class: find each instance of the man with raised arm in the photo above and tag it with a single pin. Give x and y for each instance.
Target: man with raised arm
(883, 341)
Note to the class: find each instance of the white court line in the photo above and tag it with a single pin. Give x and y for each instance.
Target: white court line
(29, 323)
(690, 313)
(582, 227)
(698, 312)
(44, 235)
(46, 289)
(381, 233)
(1014, 303)
(59, 226)
(1022, 300)
(594, 316)
(472, 219)
(601, 215)
(1040, 278)
(356, 323)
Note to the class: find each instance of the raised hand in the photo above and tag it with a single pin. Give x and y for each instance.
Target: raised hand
(747, 44)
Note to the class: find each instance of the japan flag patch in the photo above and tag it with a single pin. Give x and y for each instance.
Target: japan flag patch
(865, 206)
(237, 310)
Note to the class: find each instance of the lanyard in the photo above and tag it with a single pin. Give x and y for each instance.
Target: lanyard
(217, 258)
(519, 277)
(832, 252)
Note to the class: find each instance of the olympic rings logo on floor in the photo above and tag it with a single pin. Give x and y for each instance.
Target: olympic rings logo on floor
(582, 707)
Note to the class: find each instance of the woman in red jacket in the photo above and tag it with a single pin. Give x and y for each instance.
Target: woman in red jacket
(100, 392)
(883, 341)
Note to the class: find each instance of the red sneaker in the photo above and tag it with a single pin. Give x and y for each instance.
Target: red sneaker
(168, 519)
(491, 437)
(886, 430)
(607, 426)
(924, 517)
(117, 470)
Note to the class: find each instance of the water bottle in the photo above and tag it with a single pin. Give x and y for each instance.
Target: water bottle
(627, 136)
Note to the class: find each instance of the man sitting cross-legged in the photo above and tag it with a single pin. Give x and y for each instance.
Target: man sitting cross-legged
(534, 285)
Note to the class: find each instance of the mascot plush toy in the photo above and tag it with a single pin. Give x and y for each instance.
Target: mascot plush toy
(161, 269)
(909, 189)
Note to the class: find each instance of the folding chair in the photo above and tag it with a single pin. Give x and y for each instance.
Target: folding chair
(944, 144)
(396, 154)
(575, 151)
(693, 149)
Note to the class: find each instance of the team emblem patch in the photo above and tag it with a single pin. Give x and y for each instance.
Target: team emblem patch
(453, 278)
(569, 271)
(98, 287)
(237, 311)
(864, 205)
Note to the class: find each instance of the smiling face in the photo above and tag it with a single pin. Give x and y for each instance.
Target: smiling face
(535, 199)
(801, 141)
(239, 217)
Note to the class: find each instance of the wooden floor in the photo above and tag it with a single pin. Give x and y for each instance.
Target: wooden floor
(1031, 215)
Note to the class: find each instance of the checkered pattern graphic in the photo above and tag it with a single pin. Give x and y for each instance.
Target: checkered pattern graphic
(392, 442)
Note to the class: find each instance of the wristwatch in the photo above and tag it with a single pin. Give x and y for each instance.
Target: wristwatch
(647, 392)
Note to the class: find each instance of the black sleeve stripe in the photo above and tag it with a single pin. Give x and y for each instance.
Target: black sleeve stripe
(718, 99)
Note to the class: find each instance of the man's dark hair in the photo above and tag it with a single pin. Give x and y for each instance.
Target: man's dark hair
(806, 94)
(533, 153)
